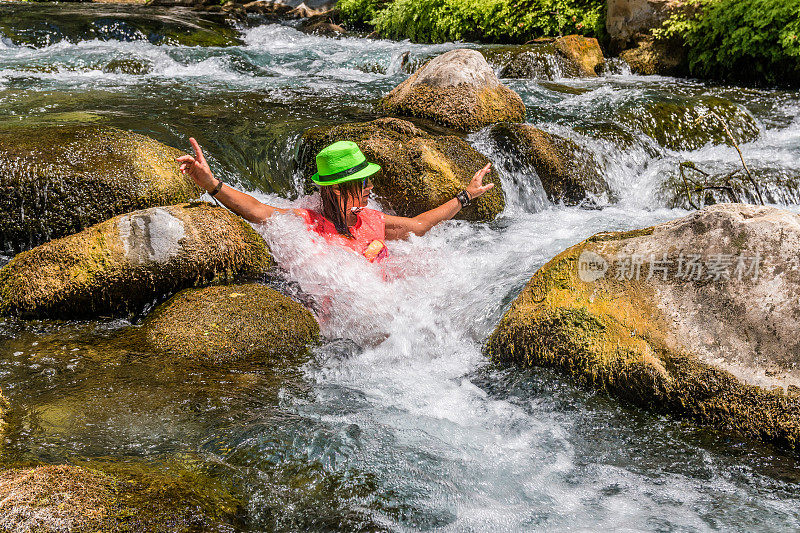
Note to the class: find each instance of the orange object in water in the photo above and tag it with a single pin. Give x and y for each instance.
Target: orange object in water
(369, 232)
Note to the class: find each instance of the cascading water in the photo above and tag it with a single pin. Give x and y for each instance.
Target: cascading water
(399, 422)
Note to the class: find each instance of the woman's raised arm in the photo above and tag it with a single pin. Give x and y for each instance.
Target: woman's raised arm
(402, 227)
(240, 203)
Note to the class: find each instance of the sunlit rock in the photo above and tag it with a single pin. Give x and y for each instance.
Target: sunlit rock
(688, 123)
(584, 52)
(130, 260)
(223, 325)
(569, 173)
(458, 89)
(419, 171)
(113, 497)
(627, 19)
(696, 317)
(57, 180)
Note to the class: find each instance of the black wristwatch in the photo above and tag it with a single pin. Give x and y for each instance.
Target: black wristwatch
(217, 188)
(463, 198)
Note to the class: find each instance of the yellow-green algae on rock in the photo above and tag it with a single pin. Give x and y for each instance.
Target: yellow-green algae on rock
(130, 260)
(419, 171)
(584, 52)
(458, 89)
(568, 173)
(113, 497)
(57, 180)
(719, 351)
(228, 324)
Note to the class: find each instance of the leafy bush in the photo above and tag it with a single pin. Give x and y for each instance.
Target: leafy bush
(751, 40)
(507, 21)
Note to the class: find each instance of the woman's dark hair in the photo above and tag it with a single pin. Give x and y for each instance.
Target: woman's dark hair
(333, 210)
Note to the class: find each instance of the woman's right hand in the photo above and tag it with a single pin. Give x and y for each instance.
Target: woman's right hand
(197, 167)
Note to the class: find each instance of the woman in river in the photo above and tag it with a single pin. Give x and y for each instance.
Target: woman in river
(343, 178)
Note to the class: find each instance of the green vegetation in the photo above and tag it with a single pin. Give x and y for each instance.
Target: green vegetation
(496, 21)
(748, 40)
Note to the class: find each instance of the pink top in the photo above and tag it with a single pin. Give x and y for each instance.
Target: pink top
(369, 232)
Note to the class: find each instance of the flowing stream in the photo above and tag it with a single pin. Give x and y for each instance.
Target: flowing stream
(398, 422)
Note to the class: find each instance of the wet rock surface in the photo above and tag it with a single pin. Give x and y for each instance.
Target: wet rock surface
(419, 171)
(695, 317)
(583, 52)
(458, 89)
(224, 325)
(689, 123)
(57, 180)
(121, 264)
(112, 497)
(569, 174)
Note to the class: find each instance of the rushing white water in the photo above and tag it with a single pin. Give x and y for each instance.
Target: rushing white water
(401, 392)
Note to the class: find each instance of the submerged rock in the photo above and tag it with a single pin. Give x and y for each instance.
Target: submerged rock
(458, 89)
(650, 56)
(130, 260)
(584, 52)
(696, 317)
(58, 498)
(419, 171)
(59, 180)
(688, 123)
(227, 324)
(568, 173)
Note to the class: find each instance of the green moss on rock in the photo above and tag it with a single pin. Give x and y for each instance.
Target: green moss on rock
(686, 124)
(457, 89)
(419, 171)
(637, 338)
(228, 324)
(57, 180)
(125, 262)
(112, 497)
(568, 173)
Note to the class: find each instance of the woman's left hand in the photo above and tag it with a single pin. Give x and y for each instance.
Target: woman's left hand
(476, 188)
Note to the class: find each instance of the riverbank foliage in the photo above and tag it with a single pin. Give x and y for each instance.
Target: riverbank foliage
(747, 40)
(494, 21)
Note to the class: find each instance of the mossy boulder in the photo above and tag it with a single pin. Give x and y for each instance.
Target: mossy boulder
(651, 56)
(584, 52)
(688, 123)
(539, 61)
(458, 89)
(419, 171)
(58, 180)
(249, 323)
(696, 317)
(117, 498)
(121, 264)
(569, 173)
(43, 24)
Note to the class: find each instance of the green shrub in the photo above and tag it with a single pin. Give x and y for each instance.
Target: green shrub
(506, 21)
(748, 40)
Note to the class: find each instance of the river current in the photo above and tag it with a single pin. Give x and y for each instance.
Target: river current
(398, 422)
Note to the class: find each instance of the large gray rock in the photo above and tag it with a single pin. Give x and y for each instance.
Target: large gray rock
(705, 326)
(458, 89)
(130, 260)
(58, 180)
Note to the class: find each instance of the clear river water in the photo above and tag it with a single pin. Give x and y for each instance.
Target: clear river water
(398, 422)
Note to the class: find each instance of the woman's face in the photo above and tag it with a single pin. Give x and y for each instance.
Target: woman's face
(360, 201)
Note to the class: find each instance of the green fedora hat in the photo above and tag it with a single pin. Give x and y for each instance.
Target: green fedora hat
(342, 161)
